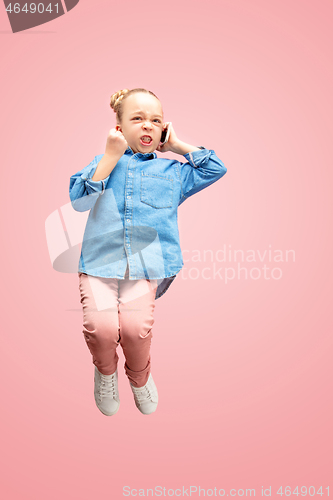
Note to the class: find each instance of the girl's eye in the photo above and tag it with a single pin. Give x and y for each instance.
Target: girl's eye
(137, 118)
(157, 120)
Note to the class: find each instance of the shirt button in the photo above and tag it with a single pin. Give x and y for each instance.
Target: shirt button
(128, 220)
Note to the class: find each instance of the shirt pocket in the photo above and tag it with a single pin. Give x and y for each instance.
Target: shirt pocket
(156, 190)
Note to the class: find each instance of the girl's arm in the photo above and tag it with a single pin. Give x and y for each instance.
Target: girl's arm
(88, 184)
(202, 169)
(83, 191)
(116, 146)
(175, 145)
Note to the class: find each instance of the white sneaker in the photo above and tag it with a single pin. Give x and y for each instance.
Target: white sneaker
(106, 392)
(146, 397)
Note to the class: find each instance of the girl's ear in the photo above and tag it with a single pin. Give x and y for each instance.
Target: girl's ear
(118, 128)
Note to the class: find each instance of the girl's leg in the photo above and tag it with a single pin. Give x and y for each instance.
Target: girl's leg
(99, 298)
(136, 318)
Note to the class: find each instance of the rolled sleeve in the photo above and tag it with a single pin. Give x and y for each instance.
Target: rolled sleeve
(198, 158)
(83, 191)
(94, 186)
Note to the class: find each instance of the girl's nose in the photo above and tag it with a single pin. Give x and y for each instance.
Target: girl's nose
(146, 124)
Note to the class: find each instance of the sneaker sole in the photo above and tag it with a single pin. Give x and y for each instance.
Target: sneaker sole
(108, 414)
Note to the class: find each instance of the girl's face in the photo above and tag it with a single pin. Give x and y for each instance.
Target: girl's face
(142, 122)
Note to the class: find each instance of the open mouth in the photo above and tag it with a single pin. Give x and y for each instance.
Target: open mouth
(146, 140)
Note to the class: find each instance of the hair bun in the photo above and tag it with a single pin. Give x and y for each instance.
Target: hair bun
(116, 99)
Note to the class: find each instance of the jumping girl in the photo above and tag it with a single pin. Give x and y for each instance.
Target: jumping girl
(130, 250)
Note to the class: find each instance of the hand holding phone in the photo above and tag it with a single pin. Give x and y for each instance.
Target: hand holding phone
(165, 134)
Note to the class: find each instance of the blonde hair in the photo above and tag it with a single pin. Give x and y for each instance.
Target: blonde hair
(117, 99)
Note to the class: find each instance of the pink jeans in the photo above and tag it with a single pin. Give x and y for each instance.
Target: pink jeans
(119, 312)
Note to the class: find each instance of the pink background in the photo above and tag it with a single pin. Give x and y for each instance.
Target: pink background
(243, 368)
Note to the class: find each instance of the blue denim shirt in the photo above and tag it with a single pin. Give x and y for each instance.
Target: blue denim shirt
(133, 213)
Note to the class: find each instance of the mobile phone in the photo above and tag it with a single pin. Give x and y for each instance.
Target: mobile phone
(165, 134)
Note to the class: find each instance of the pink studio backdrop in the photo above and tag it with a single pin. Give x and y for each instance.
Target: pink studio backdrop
(244, 365)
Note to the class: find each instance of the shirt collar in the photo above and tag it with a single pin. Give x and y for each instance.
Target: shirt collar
(146, 156)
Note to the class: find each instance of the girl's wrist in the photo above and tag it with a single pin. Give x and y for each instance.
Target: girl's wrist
(181, 148)
(112, 156)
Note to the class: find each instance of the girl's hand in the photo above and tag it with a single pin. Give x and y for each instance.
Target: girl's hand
(175, 145)
(116, 143)
(172, 141)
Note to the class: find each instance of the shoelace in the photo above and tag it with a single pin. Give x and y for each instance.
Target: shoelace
(107, 387)
(142, 394)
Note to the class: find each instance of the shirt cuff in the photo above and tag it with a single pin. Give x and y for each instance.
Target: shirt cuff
(198, 158)
(93, 186)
